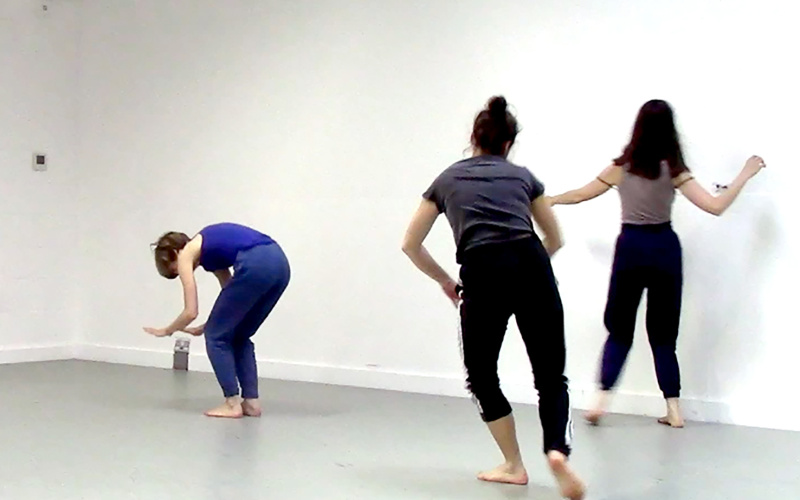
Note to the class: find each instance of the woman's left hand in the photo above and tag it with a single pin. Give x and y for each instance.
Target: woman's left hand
(156, 332)
(195, 330)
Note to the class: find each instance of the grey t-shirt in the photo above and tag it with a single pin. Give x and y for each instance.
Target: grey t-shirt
(486, 199)
(647, 201)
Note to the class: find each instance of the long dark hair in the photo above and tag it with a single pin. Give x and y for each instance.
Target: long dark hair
(494, 127)
(654, 139)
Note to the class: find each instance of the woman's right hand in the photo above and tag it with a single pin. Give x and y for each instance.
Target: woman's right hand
(450, 288)
(753, 166)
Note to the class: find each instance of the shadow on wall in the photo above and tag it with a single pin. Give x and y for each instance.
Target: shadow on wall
(727, 268)
(602, 250)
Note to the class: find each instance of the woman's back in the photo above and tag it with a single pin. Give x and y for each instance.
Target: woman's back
(222, 242)
(486, 199)
(647, 201)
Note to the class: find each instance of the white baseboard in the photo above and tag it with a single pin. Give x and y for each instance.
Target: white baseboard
(286, 370)
(435, 384)
(651, 405)
(32, 354)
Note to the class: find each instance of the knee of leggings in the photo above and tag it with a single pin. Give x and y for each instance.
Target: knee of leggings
(664, 345)
(480, 382)
(550, 384)
(216, 343)
(620, 337)
(483, 390)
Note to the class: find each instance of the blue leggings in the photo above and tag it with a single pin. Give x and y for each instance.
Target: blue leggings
(260, 275)
(647, 257)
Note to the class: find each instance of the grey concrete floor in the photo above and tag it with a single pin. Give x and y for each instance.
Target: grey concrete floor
(79, 430)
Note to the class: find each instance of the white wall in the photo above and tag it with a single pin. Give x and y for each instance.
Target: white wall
(38, 97)
(321, 122)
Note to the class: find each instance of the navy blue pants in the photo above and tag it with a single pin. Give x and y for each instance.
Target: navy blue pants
(647, 257)
(516, 278)
(260, 275)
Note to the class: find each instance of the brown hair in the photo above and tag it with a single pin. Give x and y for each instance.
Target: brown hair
(166, 251)
(495, 127)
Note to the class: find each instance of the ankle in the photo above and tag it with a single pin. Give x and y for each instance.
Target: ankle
(233, 401)
(601, 399)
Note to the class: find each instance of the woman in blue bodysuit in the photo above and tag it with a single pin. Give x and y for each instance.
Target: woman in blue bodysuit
(260, 276)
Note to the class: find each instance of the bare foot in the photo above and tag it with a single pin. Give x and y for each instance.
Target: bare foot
(673, 418)
(569, 483)
(598, 411)
(594, 416)
(251, 407)
(672, 421)
(229, 409)
(506, 474)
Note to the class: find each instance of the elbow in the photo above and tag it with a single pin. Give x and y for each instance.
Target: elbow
(409, 248)
(553, 244)
(190, 315)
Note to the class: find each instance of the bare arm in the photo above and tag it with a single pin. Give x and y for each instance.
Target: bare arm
(716, 205)
(417, 231)
(545, 218)
(608, 178)
(186, 260)
(223, 276)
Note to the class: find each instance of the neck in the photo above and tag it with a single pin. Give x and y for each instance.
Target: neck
(479, 152)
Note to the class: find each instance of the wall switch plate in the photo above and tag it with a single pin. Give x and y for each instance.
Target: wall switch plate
(39, 162)
(180, 359)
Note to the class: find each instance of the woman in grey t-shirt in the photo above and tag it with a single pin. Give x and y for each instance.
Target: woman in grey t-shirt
(648, 253)
(505, 271)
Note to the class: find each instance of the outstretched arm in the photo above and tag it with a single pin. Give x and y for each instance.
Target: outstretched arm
(186, 260)
(607, 179)
(418, 229)
(716, 205)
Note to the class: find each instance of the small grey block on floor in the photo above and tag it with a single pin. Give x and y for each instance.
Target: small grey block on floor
(90, 431)
(180, 358)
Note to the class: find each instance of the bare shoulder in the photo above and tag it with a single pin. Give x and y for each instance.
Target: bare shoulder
(682, 179)
(193, 248)
(195, 242)
(611, 175)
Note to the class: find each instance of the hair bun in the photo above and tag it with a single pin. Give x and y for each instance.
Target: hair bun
(497, 107)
